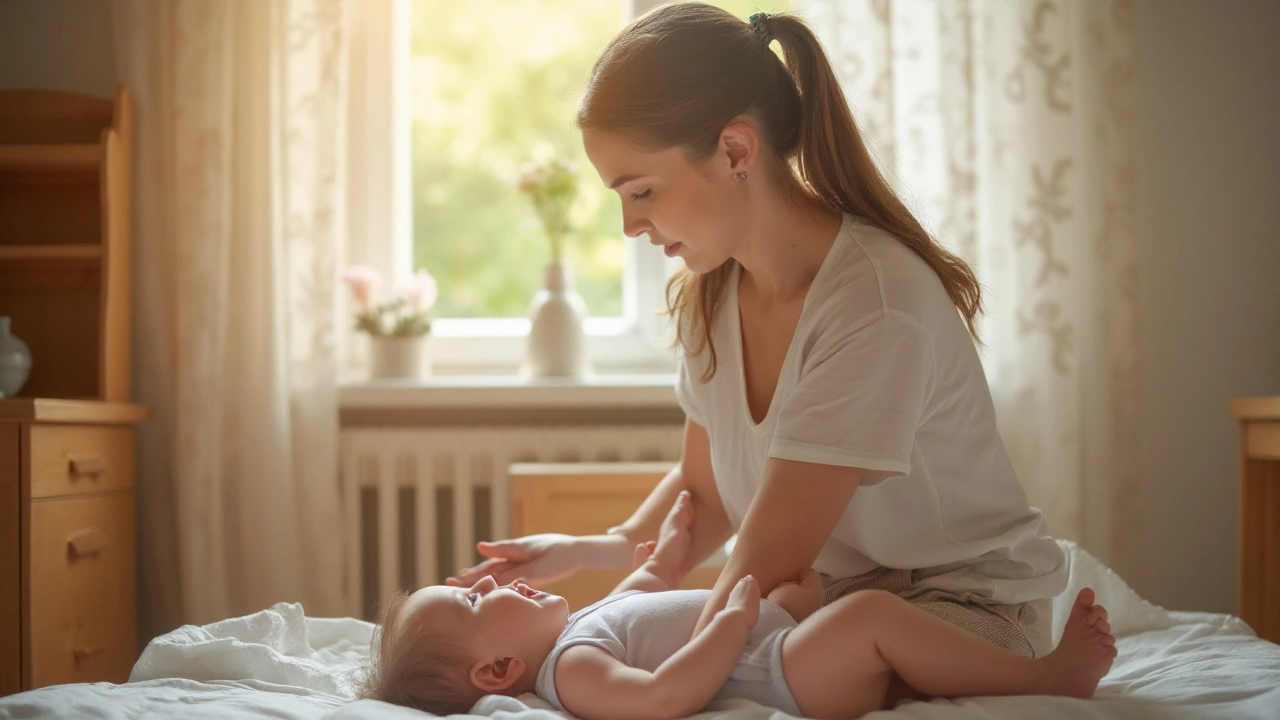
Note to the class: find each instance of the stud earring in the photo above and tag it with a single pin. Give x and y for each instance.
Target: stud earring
(739, 176)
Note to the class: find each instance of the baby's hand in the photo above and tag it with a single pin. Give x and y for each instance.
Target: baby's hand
(745, 599)
(671, 557)
(802, 598)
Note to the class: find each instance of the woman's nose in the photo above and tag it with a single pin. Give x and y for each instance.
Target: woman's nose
(635, 225)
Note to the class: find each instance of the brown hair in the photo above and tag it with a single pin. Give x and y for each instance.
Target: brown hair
(676, 76)
(414, 666)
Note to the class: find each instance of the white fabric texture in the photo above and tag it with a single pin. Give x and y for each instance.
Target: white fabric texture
(644, 629)
(1008, 126)
(238, 223)
(881, 374)
(279, 664)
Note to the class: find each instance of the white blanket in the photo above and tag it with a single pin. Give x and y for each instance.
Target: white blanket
(280, 664)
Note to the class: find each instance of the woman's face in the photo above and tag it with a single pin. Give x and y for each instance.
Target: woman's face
(691, 211)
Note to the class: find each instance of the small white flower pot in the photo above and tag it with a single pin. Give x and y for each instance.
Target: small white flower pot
(398, 357)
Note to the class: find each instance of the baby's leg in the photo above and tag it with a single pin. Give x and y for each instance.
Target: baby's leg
(839, 662)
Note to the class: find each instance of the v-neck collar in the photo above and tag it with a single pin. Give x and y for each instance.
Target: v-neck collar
(736, 332)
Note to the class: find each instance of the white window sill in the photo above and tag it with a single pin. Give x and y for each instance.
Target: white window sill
(615, 392)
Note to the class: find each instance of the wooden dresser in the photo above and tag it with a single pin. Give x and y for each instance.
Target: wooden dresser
(67, 547)
(1258, 585)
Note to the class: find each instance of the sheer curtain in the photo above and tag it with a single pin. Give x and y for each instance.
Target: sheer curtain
(239, 216)
(1008, 125)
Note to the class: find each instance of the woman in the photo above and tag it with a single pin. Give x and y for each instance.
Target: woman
(838, 415)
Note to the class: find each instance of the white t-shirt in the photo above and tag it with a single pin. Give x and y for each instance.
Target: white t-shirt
(881, 374)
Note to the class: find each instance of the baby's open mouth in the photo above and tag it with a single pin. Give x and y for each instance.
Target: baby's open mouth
(526, 590)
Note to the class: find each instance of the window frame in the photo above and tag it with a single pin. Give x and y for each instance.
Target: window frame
(380, 224)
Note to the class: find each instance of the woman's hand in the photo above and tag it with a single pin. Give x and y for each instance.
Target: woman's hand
(801, 599)
(537, 559)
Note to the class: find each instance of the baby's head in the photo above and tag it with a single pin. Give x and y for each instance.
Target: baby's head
(442, 648)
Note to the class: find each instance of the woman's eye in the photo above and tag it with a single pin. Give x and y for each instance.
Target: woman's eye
(641, 196)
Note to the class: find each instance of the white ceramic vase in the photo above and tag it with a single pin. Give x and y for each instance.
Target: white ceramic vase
(398, 357)
(15, 361)
(557, 344)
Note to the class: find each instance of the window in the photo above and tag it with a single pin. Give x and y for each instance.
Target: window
(472, 91)
(494, 84)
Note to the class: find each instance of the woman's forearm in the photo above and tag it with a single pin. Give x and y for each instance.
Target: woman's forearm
(710, 527)
(785, 528)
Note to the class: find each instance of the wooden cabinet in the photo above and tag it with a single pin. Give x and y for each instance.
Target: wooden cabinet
(67, 539)
(586, 499)
(67, 542)
(65, 209)
(1258, 584)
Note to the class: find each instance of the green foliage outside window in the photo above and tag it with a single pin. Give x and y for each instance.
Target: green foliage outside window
(495, 84)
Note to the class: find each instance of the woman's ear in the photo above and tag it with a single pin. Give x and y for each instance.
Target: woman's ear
(497, 675)
(740, 143)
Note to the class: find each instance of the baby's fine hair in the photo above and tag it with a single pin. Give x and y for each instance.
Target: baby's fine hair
(415, 666)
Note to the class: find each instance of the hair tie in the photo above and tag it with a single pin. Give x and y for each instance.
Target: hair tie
(757, 26)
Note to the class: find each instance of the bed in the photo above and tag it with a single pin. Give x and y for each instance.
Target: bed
(278, 663)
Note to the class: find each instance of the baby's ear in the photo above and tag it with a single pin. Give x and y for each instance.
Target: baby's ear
(498, 674)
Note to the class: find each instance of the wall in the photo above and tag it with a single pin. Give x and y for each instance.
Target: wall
(1208, 109)
(57, 45)
(1208, 113)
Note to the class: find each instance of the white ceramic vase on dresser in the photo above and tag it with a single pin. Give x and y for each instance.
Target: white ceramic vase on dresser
(557, 344)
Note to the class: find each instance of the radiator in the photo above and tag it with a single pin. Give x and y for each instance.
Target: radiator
(416, 501)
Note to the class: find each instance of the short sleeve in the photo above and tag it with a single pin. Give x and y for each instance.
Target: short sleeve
(686, 393)
(861, 402)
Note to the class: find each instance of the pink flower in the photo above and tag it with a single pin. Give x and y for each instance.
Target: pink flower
(362, 280)
(422, 293)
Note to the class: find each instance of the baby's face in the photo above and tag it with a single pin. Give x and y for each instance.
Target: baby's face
(488, 618)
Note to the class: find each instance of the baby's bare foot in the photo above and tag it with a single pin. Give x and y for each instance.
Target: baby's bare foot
(1085, 653)
(675, 539)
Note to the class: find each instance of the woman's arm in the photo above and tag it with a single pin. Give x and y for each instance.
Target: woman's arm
(791, 517)
(540, 559)
(711, 527)
(594, 685)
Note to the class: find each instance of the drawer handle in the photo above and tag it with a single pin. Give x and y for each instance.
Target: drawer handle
(78, 465)
(84, 543)
(83, 654)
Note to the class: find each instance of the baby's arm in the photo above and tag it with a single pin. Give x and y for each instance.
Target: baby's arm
(662, 565)
(594, 685)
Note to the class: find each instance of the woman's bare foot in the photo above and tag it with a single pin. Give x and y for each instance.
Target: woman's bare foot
(1085, 653)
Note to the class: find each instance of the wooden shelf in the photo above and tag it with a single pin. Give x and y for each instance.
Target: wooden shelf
(50, 252)
(65, 239)
(50, 158)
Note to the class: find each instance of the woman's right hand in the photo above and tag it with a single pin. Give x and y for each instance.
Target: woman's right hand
(535, 559)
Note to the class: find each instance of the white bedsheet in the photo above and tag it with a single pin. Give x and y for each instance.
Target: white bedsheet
(280, 664)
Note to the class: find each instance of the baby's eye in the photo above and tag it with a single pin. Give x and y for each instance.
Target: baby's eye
(471, 599)
(641, 196)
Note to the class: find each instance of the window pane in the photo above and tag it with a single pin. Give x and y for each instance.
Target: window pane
(494, 83)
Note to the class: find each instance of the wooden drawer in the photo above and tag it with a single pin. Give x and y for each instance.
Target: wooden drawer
(10, 584)
(82, 591)
(79, 459)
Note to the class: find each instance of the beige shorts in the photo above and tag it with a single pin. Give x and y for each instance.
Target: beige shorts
(1024, 628)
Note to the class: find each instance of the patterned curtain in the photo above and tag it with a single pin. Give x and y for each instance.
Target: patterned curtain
(1007, 124)
(238, 224)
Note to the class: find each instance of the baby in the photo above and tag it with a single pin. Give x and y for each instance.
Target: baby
(630, 655)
